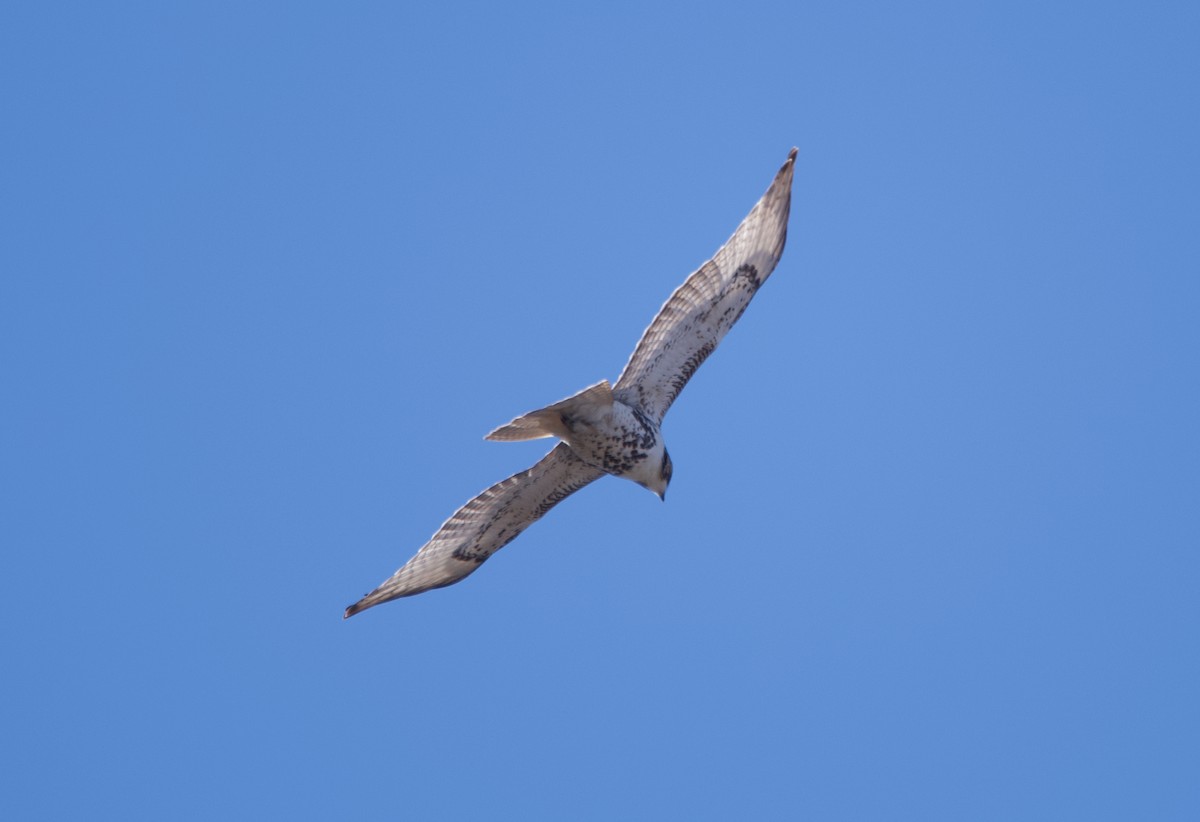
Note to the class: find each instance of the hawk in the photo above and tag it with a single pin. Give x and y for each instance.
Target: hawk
(608, 429)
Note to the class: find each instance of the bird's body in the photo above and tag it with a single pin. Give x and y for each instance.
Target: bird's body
(609, 429)
(604, 432)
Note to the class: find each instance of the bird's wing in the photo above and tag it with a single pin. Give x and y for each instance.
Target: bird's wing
(485, 525)
(702, 310)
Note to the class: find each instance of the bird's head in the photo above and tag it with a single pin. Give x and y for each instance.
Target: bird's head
(659, 484)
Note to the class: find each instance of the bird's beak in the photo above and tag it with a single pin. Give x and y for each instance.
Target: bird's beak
(662, 496)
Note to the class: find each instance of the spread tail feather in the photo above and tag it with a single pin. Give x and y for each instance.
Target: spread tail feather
(548, 421)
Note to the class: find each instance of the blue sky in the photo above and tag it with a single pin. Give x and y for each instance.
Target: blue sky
(270, 272)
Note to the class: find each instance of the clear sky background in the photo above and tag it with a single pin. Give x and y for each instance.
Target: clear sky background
(270, 272)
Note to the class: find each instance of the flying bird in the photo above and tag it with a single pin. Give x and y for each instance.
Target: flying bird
(608, 429)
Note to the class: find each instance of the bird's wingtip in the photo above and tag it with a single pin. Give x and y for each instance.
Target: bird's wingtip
(792, 154)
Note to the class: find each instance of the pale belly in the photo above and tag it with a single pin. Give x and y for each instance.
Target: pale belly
(622, 442)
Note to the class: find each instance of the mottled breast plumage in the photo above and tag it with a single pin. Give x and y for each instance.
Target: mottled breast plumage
(617, 442)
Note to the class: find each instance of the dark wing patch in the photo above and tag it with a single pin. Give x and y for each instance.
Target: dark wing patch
(485, 525)
(697, 316)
